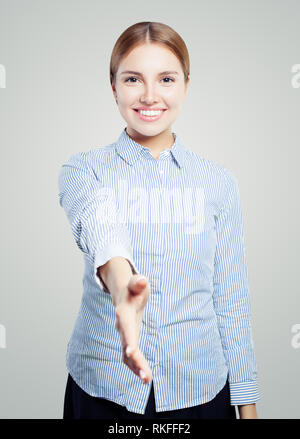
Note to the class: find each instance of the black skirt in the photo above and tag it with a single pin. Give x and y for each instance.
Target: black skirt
(80, 405)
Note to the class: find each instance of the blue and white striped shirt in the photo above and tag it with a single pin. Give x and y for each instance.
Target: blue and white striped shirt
(178, 221)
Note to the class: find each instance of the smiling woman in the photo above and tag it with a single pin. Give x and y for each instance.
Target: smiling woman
(182, 328)
(150, 75)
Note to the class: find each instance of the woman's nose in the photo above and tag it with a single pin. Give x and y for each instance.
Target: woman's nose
(148, 95)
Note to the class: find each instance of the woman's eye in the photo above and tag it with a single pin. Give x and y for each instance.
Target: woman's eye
(171, 79)
(133, 78)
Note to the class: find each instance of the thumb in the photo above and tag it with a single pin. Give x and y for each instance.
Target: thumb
(137, 283)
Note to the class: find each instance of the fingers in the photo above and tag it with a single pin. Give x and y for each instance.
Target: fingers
(132, 356)
(136, 361)
(129, 316)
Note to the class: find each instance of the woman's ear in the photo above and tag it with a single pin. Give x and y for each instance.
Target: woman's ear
(187, 85)
(114, 92)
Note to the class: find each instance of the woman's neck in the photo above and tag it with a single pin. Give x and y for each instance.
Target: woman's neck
(156, 144)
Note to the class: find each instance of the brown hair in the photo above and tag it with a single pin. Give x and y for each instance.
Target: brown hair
(149, 32)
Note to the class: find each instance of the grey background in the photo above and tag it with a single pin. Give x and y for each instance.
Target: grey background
(241, 111)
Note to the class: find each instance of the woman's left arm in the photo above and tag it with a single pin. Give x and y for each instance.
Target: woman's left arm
(231, 299)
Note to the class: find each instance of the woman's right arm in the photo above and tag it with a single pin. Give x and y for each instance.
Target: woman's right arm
(115, 275)
(106, 242)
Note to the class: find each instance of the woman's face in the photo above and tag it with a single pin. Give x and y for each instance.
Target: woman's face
(150, 88)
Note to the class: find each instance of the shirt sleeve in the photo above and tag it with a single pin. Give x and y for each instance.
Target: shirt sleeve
(93, 215)
(232, 299)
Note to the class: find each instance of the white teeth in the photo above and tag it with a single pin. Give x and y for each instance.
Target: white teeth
(150, 113)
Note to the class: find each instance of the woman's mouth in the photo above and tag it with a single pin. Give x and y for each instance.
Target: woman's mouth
(149, 116)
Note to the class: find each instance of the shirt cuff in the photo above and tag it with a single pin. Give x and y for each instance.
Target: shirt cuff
(110, 251)
(244, 393)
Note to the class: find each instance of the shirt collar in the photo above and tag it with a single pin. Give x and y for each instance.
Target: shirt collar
(131, 151)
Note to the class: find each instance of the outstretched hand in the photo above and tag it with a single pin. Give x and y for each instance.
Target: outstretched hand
(129, 315)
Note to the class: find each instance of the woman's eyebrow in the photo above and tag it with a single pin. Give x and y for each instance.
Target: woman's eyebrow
(166, 72)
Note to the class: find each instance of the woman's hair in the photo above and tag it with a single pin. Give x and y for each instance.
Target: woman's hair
(149, 32)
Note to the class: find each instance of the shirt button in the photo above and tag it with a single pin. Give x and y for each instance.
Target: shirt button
(161, 172)
(156, 364)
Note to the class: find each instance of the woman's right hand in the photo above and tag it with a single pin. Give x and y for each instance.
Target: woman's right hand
(129, 315)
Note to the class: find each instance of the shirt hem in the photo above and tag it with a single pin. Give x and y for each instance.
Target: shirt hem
(193, 403)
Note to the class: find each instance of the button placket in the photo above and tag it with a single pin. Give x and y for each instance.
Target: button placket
(160, 165)
(164, 155)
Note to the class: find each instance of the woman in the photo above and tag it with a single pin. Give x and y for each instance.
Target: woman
(164, 324)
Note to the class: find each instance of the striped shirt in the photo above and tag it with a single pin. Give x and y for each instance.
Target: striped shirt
(178, 221)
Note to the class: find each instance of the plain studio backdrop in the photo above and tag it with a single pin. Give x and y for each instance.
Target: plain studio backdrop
(242, 111)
